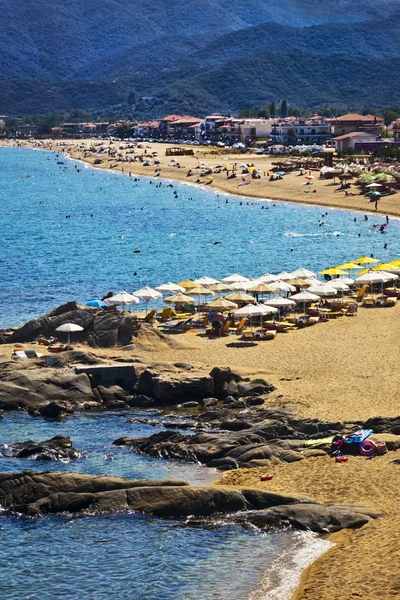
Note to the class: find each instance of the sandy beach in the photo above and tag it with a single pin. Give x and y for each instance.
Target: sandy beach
(345, 369)
(290, 189)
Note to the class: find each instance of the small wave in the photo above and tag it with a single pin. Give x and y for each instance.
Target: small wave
(281, 580)
(320, 234)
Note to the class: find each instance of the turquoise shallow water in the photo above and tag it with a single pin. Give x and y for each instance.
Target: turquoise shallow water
(46, 258)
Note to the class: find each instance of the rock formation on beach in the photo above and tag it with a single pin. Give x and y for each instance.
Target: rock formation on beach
(35, 494)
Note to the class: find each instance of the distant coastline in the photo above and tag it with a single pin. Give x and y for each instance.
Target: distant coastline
(287, 190)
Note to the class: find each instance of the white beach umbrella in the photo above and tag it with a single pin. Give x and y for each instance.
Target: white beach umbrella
(303, 274)
(282, 286)
(284, 276)
(279, 302)
(338, 284)
(388, 276)
(170, 288)
(147, 294)
(347, 280)
(206, 281)
(235, 278)
(122, 299)
(68, 328)
(373, 277)
(322, 290)
(304, 297)
(267, 278)
(254, 310)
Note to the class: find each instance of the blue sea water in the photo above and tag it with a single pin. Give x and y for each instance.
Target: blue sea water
(46, 258)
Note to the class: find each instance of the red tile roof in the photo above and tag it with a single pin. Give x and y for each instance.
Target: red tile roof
(351, 135)
(357, 117)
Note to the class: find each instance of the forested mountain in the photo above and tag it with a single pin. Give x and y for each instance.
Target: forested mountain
(193, 56)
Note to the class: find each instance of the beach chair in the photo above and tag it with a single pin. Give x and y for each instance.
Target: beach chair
(240, 326)
(225, 328)
(149, 317)
(361, 293)
(166, 314)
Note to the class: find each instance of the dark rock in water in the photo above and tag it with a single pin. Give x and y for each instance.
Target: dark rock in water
(222, 376)
(54, 410)
(57, 448)
(141, 401)
(320, 518)
(35, 494)
(113, 395)
(191, 404)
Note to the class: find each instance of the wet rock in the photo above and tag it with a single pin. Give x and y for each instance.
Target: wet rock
(255, 388)
(57, 448)
(112, 395)
(209, 402)
(55, 410)
(141, 401)
(223, 376)
(191, 404)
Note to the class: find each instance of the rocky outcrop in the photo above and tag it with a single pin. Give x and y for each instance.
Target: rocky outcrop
(257, 438)
(30, 385)
(103, 329)
(35, 494)
(57, 448)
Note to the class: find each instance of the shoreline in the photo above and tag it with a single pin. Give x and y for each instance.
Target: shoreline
(268, 193)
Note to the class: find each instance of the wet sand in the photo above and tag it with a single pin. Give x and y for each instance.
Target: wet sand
(290, 188)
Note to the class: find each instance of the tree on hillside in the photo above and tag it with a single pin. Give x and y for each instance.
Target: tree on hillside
(292, 136)
(272, 109)
(80, 115)
(284, 110)
(247, 113)
(263, 112)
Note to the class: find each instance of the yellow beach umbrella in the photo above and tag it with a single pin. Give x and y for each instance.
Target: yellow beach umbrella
(365, 260)
(348, 266)
(333, 271)
(188, 284)
(385, 267)
(395, 263)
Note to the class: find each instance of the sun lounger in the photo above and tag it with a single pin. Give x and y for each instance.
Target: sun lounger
(149, 317)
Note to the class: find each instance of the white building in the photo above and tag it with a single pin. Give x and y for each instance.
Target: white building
(315, 130)
(256, 130)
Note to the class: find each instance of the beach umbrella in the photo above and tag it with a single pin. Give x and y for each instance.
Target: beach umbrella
(170, 288)
(267, 278)
(348, 266)
(220, 287)
(279, 302)
(188, 284)
(235, 278)
(365, 260)
(179, 299)
(339, 284)
(395, 263)
(258, 310)
(147, 294)
(322, 290)
(372, 277)
(260, 288)
(385, 267)
(304, 297)
(122, 299)
(333, 271)
(222, 304)
(282, 286)
(96, 304)
(239, 285)
(284, 276)
(201, 291)
(298, 282)
(68, 328)
(347, 280)
(207, 281)
(241, 297)
(303, 274)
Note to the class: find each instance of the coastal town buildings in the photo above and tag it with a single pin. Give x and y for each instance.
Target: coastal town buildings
(316, 130)
(355, 122)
